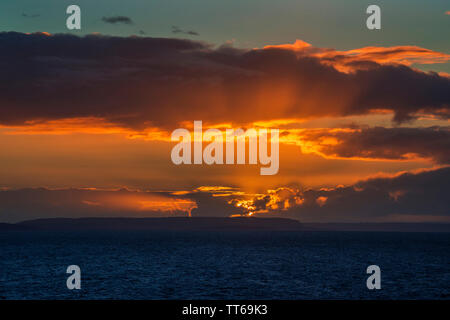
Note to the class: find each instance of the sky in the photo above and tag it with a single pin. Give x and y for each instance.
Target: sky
(86, 115)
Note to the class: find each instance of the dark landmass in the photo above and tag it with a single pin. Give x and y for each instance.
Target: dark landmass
(169, 224)
(212, 224)
(11, 227)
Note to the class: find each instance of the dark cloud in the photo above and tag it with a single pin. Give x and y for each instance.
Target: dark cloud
(33, 203)
(35, 15)
(142, 81)
(384, 143)
(176, 29)
(211, 206)
(117, 19)
(422, 194)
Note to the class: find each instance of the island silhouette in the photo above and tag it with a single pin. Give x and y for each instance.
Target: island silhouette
(211, 224)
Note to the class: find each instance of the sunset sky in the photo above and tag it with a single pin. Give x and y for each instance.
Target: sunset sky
(86, 116)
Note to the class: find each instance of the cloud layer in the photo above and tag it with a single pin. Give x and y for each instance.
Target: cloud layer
(117, 19)
(34, 203)
(139, 82)
(150, 86)
(380, 143)
(420, 196)
(406, 196)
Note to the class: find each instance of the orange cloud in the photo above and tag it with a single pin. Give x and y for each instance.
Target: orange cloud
(39, 33)
(219, 191)
(402, 195)
(321, 200)
(375, 143)
(404, 55)
(89, 125)
(297, 45)
(86, 125)
(139, 202)
(280, 199)
(351, 60)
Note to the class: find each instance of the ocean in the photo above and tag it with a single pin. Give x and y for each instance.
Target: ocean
(224, 265)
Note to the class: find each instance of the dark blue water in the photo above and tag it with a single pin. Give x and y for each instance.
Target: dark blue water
(245, 265)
